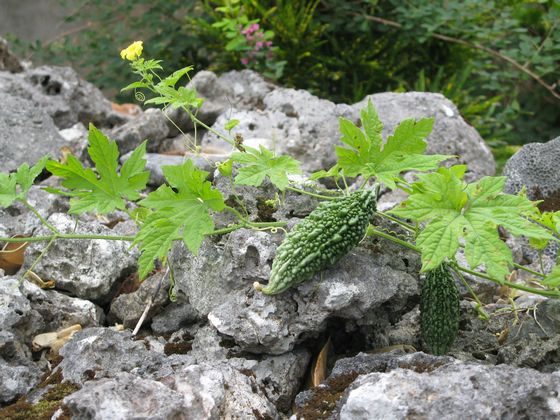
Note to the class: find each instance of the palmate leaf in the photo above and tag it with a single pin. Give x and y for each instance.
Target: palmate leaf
(7, 189)
(181, 210)
(16, 185)
(256, 165)
(107, 189)
(455, 212)
(368, 156)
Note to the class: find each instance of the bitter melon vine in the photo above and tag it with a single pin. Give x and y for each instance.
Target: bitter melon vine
(447, 213)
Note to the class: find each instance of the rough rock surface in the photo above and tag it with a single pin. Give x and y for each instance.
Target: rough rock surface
(27, 133)
(88, 269)
(103, 353)
(396, 386)
(60, 311)
(174, 316)
(18, 220)
(219, 284)
(493, 392)
(128, 307)
(150, 125)
(67, 98)
(18, 323)
(535, 166)
(126, 396)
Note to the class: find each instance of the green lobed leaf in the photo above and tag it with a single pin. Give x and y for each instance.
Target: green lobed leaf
(181, 210)
(256, 165)
(455, 212)
(333, 172)
(402, 152)
(23, 177)
(553, 278)
(231, 124)
(7, 189)
(105, 190)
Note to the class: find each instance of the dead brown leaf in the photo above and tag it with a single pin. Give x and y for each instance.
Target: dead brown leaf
(12, 256)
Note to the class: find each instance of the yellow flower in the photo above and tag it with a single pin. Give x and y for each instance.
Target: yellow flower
(133, 51)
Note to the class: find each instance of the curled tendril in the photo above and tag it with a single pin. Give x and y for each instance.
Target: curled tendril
(139, 96)
(272, 229)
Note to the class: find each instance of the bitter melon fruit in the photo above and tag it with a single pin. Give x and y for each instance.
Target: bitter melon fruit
(320, 240)
(439, 310)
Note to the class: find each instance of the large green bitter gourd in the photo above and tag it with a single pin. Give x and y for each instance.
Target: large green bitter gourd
(439, 310)
(320, 240)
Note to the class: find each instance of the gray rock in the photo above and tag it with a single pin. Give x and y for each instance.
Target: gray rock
(362, 286)
(126, 396)
(194, 392)
(150, 125)
(293, 122)
(103, 353)
(456, 391)
(265, 127)
(89, 269)
(27, 133)
(221, 269)
(18, 323)
(534, 341)
(279, 377)
(77, 138)
(17, 379)
(59, 311)
(249, 88)
(66, 97)
(128, 307)
(535, 166)
(16, 314)
(216, 96)
(8, 61)
(174, 317)
(451, 135)
(18, 220)
(216, 390)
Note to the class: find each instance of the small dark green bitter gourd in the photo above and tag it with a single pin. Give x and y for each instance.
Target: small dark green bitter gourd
(439, 310)
(320, 240)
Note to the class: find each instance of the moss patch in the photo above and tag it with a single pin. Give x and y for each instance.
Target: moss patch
(323, 400)
(44, 409)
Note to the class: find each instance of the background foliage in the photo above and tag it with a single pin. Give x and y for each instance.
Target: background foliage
(499, 61)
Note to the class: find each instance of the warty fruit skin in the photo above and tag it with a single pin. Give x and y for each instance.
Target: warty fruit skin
(320, 240)
(439, 310)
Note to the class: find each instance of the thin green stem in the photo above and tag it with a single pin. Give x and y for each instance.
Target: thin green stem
(41, 218)
(220, 135)
(374, 232)
(549, 293)
(521, 267)
(405, 225)
(68, 236)
(236, 213)
(43, 252)
(473, 294)
(231, 228)
(364, 182)
(322, 197)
